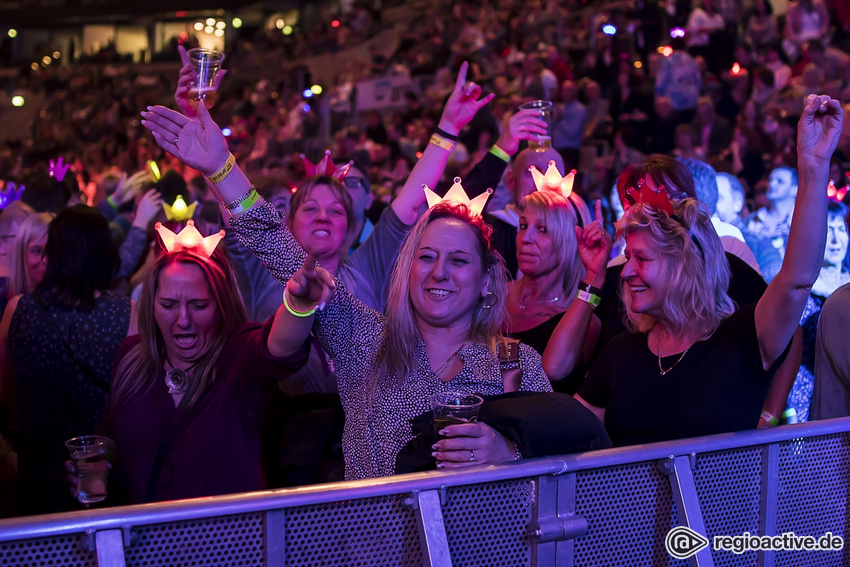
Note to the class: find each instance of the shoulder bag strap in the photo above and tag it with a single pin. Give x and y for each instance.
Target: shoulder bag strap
(510, 365)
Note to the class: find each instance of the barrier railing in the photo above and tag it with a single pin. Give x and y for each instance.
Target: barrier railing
(611, 507)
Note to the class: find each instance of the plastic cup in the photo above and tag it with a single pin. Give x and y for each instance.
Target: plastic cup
(544, 109)
(89, 456)
(206, 63)
(451, 408)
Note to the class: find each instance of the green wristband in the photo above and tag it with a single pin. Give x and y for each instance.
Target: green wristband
(500, 153)
(111, 202)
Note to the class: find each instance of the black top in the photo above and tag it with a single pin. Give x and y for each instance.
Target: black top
(504, 241)
(537, 338)
(719, 386)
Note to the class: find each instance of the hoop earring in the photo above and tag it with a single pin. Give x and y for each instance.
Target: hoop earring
(488, 300)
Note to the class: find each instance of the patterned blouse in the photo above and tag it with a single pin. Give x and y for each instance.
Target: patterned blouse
(377, 424)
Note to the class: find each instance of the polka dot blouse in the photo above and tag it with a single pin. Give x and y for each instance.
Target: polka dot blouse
(378, 413)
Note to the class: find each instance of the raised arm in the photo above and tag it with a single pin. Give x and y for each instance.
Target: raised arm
(778, 311)
(460, 108)
(567, 345)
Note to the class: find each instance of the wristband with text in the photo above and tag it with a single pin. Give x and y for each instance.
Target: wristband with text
(769, 418)
(441, 142)
(584, 286)
(224, 171)
(588, 297)
(245, 202)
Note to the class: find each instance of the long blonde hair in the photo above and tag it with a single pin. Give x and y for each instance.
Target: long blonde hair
(560, 219)
(145, 362)
(33, 228)
(693, 262)
(396, 355)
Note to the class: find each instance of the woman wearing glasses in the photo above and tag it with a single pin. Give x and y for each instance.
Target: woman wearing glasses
(693, 365)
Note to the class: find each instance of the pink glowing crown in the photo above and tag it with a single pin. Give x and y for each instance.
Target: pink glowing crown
(325, 167)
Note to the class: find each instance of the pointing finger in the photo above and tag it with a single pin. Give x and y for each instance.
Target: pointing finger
(461, 77)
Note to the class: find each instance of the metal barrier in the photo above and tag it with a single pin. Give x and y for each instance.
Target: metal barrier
(605, 508)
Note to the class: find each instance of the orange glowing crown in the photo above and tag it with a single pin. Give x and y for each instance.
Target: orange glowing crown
(552, 180)
(189, 239)
(457, 194)
(325, 167)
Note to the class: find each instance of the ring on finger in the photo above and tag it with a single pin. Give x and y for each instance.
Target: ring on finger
(471, 456)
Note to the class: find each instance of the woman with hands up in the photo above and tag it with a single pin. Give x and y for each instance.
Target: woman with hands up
(444, 315)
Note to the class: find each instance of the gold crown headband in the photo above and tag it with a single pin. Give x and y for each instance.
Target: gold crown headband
(457, 194)
(189, 239)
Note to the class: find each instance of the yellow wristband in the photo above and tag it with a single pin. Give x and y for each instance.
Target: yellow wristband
(225, 170)
(500, 153)
(294, 311)
(441, 142)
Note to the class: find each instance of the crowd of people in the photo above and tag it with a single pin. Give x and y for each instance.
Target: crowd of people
(671, 241)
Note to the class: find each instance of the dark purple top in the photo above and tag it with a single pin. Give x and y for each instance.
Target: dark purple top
(213, 448)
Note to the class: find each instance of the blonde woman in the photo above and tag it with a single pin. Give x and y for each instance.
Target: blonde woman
(28, 258)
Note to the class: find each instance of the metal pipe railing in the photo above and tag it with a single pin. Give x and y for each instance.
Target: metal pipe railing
(181, 510)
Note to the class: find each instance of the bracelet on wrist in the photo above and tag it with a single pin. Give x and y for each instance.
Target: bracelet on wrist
(243, 202)
(500, 153)
(590, 298)
(223, 171)
(446, 135)
(293, 311)
(584, 286)
(441, 142)
(112, 202)
(771, 419)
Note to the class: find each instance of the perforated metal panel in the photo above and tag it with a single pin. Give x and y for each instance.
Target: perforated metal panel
(629, 510)
(814, 478)
(486, 523)
(728, 485)
(371, 532)
(214, 542)
(65, 551)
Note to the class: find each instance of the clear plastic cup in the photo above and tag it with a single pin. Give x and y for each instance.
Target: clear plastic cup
(206, 63)
(544, 108)
(451, 408)
(88, 454)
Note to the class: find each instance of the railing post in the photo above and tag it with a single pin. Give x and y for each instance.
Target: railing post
(431, 528)
(555, 526)
(110, 548)
(768, 497)
(684, 490)
(275, 538)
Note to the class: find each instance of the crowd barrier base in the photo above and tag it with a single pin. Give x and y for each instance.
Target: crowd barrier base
(605, 508)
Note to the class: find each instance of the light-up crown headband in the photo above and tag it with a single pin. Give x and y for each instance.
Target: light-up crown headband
(457, 194)
(10, 193)
(189, 239)
(179, 211)
(660, 200)
(552, 181)
(325, 167)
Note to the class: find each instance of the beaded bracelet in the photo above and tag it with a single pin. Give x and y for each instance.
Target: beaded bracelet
(238, 200)
(294, 311)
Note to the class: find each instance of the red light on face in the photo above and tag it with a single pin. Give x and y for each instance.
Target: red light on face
(335, 23)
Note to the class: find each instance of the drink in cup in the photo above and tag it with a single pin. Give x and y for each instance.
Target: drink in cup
(206, 63)
(452, 408)
(544, 108)
(89, 456)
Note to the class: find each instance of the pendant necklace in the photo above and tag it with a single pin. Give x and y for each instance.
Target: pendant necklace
(177, 380)
(661, 370)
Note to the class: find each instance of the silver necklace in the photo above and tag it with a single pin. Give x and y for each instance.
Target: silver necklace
(553, 300)
(661, 370)
(448, 361)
